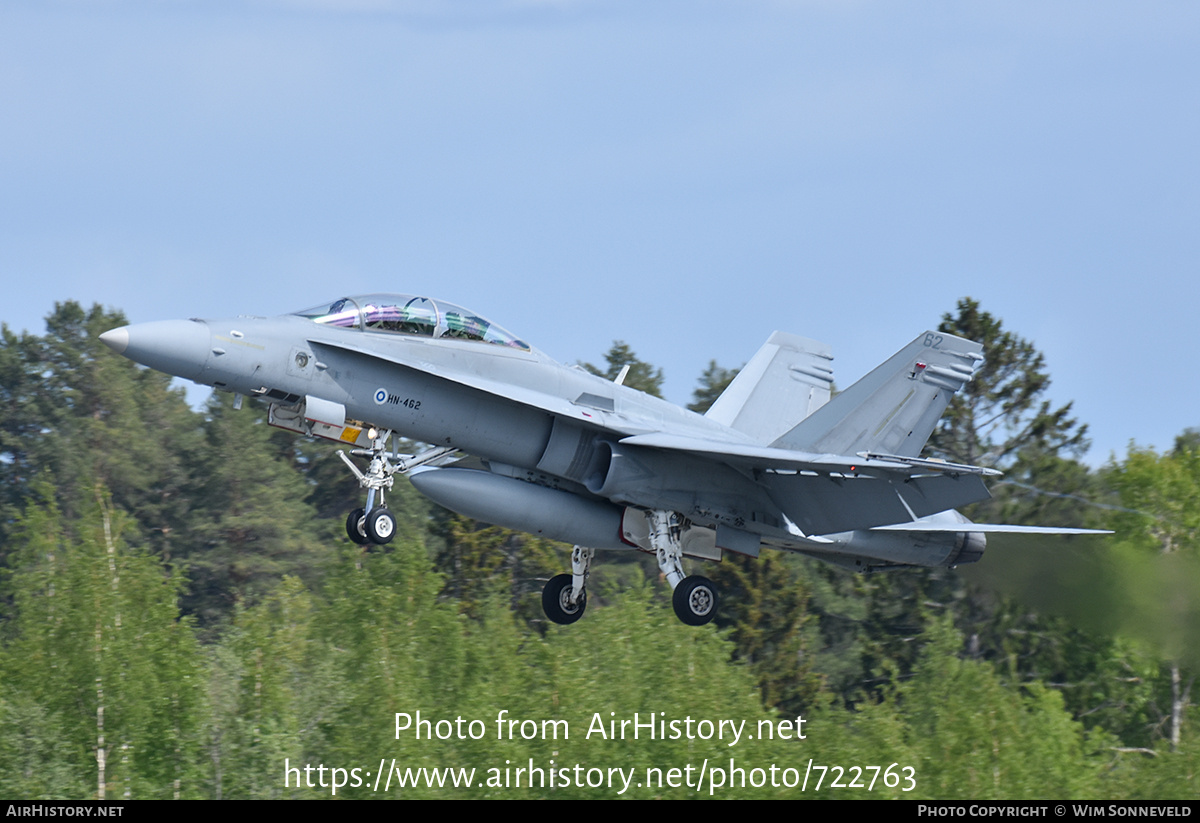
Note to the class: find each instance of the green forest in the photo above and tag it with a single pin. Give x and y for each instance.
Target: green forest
(184, 617)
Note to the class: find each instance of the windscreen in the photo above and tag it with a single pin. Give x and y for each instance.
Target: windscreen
(410, 315)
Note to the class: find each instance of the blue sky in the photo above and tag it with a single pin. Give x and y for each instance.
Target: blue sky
(685, 176)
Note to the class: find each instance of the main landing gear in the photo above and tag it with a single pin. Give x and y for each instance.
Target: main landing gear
(694, 597)
(374, 523)
(565, 597)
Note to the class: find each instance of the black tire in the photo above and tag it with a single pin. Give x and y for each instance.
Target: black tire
(554, 601)
(355, 527)
(381, 526)
(695, 600)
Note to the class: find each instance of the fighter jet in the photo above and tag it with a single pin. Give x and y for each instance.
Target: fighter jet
(519, 440)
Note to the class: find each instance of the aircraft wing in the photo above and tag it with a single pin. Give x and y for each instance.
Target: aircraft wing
(585, 408)
(789, 459)
(828, 493)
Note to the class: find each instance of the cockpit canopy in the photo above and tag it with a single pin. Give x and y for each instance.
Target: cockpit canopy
(407, 314)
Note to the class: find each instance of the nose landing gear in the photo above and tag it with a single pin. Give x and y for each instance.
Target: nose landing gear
(375, 523)
(378, 527)
(356, 527)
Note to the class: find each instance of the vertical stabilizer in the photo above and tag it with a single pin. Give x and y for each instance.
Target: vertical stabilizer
(787, 380)
(894, 408)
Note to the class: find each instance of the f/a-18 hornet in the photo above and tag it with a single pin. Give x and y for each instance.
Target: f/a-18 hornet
(520, 440)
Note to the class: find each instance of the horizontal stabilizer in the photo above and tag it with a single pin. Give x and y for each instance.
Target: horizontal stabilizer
(982, 528)
(819, 504)
(951, 522)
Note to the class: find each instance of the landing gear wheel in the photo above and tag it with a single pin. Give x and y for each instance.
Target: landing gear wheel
(556, 601)
(381, 526)
(695, 600)
(355, 527)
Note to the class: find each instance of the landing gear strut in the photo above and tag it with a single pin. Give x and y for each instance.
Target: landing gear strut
(694, 598)
(375, 523)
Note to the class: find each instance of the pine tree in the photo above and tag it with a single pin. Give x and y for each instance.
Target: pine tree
(249, 522)
(1002, 412)
(1002, 419)
(641, 376)
(81, 414)
(764, 603)
(713, 382)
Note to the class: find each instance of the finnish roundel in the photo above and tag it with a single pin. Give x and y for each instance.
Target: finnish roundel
(380, 396)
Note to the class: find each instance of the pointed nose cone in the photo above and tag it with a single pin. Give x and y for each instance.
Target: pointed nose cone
(178, 347)
(116, 339)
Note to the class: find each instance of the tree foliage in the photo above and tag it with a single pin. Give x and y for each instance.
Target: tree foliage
(713, 382)
(75, 413)
(251, 524)
(641, 375)
(1003, 411)
(98, 652)
(1157, 522)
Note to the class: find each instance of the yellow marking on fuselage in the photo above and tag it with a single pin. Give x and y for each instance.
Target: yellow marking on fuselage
(237, 342)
